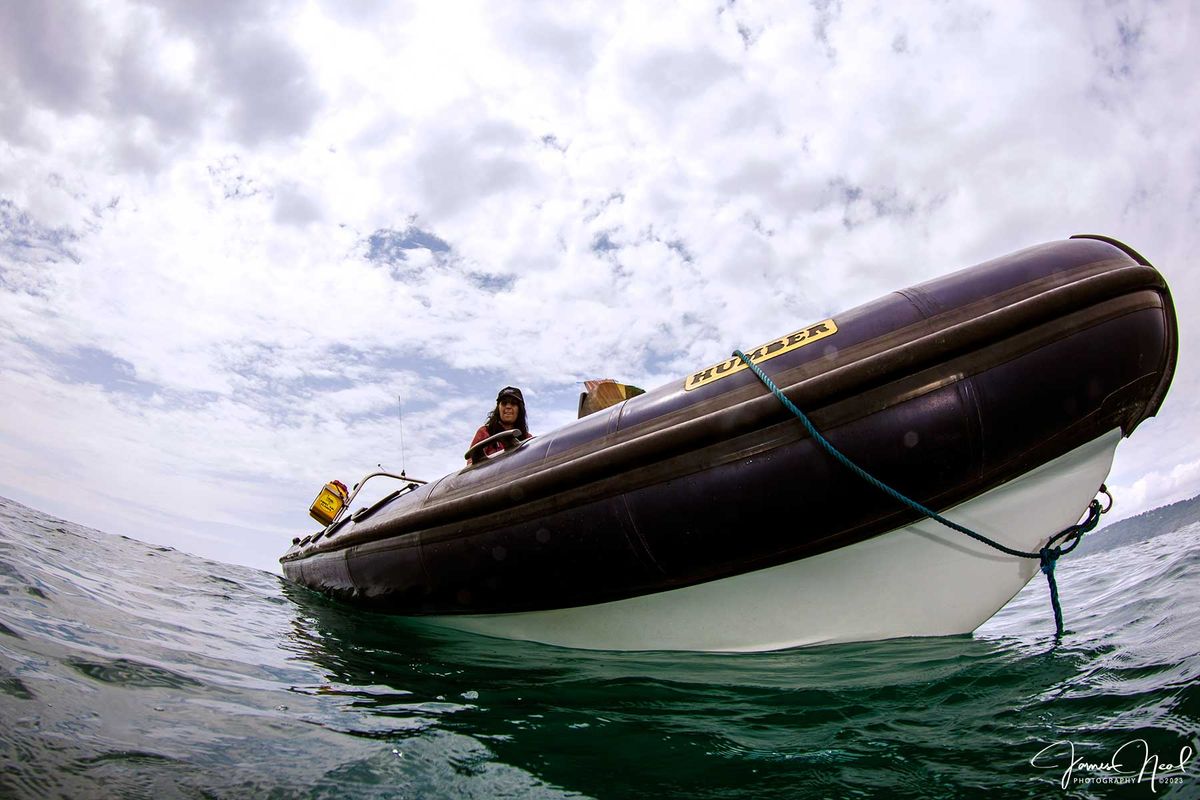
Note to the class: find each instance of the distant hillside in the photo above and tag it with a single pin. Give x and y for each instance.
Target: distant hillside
(1146, 525)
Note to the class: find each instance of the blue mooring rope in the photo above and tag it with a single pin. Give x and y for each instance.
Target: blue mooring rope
(1048, 555)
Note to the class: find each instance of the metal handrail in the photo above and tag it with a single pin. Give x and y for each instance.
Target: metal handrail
(490, 440)
(358, 488)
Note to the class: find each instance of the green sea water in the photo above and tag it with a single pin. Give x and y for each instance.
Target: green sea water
(133, 671)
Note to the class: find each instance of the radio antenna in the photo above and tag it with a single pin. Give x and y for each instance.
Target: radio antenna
(400, 408)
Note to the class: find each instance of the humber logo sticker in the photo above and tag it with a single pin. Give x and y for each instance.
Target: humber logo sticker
(775, 347)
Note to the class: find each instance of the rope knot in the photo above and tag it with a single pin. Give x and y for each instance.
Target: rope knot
(1049, 557)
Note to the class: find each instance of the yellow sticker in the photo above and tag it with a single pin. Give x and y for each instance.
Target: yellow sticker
(775, 347)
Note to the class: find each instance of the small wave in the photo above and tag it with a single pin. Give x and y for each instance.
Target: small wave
(126, 672)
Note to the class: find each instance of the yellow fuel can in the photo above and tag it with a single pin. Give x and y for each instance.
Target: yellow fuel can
(329, 503)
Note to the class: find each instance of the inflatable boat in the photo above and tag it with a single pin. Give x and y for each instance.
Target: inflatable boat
(702, 515)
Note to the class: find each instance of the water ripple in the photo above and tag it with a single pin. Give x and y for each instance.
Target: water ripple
(136, 671)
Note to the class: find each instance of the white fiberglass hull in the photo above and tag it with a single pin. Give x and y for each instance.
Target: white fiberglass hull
(920, 580)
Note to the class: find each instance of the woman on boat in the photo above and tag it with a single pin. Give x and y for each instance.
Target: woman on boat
(509, 414)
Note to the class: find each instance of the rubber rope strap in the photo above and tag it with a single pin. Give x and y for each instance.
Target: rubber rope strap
(1048, 555)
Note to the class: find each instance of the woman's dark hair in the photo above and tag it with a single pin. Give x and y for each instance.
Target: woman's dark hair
(494, 425)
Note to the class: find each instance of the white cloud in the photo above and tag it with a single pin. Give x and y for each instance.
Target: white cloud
(195, 326)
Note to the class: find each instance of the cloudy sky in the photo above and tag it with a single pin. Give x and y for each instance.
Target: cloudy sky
(233, 234)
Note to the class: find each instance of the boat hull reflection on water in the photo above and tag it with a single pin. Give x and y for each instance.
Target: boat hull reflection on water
(702, 516)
